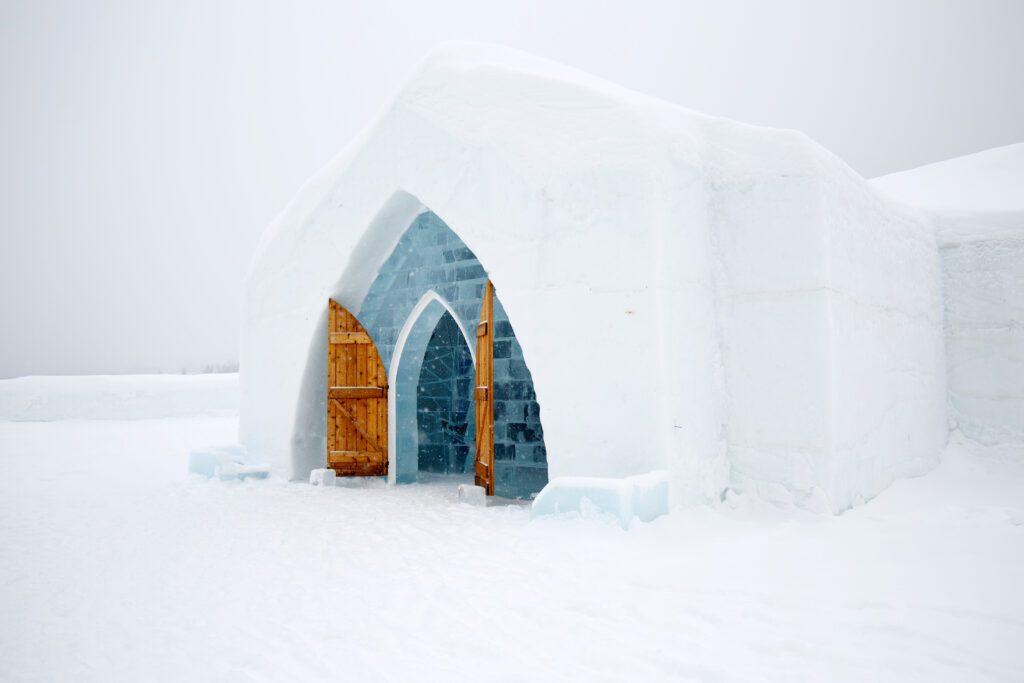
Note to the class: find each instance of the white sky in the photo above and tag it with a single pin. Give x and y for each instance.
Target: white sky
(144, 146)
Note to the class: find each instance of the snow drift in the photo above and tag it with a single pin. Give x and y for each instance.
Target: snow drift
(729, 303)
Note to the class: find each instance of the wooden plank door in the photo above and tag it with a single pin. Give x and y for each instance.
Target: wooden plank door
(357, 399)
(484, 393)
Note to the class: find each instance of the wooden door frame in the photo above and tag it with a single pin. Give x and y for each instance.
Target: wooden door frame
(483, 394)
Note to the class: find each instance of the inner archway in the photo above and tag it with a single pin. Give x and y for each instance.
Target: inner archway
(406, 365)
(445, 422)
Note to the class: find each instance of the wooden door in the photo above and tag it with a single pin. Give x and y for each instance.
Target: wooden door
(484, 394)
(357, 399)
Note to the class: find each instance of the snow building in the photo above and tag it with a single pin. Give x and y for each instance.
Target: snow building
(530, 273)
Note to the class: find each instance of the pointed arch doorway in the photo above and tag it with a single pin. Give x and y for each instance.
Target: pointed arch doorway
(429, 272)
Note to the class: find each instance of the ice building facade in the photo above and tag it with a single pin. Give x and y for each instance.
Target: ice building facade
(730, 304)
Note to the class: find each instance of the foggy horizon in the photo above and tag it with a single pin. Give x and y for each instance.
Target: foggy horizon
(146, 147)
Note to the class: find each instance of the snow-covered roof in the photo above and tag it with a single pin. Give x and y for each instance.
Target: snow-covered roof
(991, 181)
(975, 197)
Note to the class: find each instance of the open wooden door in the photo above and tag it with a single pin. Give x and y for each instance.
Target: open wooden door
(484, 394)
(357, 399)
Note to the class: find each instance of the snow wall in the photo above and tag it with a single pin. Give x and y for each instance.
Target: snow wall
(977, 205)
(983, 269)
(729, 303)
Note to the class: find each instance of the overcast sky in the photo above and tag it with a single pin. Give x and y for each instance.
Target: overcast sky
(144, 146)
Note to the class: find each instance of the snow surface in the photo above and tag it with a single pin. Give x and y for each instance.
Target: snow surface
(117, 566)
(117, 397)
(977, 205)
(768, 322)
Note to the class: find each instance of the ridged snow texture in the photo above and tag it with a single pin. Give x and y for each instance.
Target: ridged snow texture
(430, 256)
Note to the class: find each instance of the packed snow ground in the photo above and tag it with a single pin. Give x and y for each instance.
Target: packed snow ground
(117, 566)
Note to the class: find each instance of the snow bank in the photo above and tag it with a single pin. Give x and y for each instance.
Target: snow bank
(977, 205)
(117, 397)
(728, 303)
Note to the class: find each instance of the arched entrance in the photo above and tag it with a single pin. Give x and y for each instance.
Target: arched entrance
(429, 287)
(445, 420)
(404, 379)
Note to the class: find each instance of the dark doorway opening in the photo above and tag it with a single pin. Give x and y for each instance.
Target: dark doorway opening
(444, 402)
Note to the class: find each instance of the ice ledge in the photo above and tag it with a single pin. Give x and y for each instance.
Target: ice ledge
(644, 496)
(225, 463)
